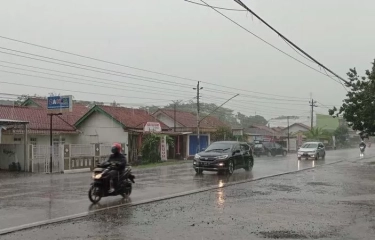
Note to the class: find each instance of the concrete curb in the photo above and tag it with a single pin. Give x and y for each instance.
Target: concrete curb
(172, 196)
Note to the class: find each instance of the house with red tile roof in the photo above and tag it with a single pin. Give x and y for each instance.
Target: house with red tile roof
(262, 133)
(186, 124)
(38, 127)
(108, 124)
(15, 141)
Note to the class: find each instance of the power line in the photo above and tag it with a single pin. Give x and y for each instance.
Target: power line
(143, 78)
(81, 75)
(165, 90)
(290, 42)
(127, 66)
(221, 8)
(278, 49)
(279, 99)
(86, 80)
(238, 89)
(233, 106)
(80, 83)
(15, 97)
(114, 74)
(95, 59)
(255, 105)
(133, 84)
(67, 90)
(252, 101)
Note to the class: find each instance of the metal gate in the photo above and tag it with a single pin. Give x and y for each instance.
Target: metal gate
(41, 158)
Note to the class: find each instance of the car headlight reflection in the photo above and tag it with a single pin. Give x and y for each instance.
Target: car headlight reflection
(196, 157)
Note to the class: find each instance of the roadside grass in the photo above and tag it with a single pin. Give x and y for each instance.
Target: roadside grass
(159, 164)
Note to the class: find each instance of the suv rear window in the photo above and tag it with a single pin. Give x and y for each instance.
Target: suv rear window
(258, 145)
(267, 144)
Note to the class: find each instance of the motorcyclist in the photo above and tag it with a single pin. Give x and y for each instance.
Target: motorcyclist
(363, 144)
(120, 160)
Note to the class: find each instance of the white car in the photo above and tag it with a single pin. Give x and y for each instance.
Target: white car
(314, 150)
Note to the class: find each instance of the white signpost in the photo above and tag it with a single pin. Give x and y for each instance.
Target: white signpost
(152, 127)
(163, 148)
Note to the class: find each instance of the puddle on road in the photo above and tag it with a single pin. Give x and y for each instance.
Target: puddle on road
(284, 188)
(319, 184)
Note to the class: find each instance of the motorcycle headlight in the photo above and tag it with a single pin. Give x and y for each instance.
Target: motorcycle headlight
(222, 157)
(97, 176)
(196, 157)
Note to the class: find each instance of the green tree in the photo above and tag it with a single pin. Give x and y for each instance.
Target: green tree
(359, 107)
(221, 134)
(22, 98)
(318, 134)
(223, 114)
(247, 121)
(341, 134)
(150, 147)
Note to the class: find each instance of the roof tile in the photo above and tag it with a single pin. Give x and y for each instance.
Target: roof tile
(37, 118)
(130, 117)
(78, 111)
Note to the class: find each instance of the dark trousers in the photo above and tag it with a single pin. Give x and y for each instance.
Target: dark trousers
(114, 175)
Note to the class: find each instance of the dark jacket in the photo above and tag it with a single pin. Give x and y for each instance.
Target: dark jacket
(362, 144)
(118, 158)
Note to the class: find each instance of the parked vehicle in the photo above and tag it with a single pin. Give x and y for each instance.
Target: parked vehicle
(314, 150)
(101, 185)
(269, 149)
(258, 149)
(224, 157)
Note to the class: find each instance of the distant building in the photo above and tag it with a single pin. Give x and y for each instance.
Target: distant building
(186, 123)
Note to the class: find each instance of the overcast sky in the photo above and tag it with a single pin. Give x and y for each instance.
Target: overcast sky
(190, 41)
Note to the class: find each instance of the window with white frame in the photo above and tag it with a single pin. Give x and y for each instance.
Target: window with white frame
(57, 141)
(17, 140)
(33, 141)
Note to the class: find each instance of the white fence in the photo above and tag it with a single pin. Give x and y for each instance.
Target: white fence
(105, 149)
(68, 157)
(82, 150)
(41, 158)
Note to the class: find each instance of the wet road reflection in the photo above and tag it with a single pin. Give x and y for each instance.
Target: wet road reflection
(31, 198)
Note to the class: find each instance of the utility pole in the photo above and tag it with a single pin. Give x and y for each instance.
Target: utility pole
(288, 134)
(174, 129)
(198, 121)
(174, 113)
(51, 140)
(312, 105)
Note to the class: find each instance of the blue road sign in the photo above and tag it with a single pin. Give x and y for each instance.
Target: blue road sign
(59, 102)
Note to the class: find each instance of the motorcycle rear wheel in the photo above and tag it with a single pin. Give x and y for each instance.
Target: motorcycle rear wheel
(95, 198)
(127, 192)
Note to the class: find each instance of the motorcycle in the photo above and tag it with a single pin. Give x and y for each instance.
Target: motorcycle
(362, 150)
(101, 185)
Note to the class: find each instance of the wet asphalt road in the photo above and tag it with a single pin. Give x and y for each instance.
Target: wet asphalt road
(29, 199)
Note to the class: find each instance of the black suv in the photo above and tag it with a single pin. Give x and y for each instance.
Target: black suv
(269, 149)
(224, 156)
